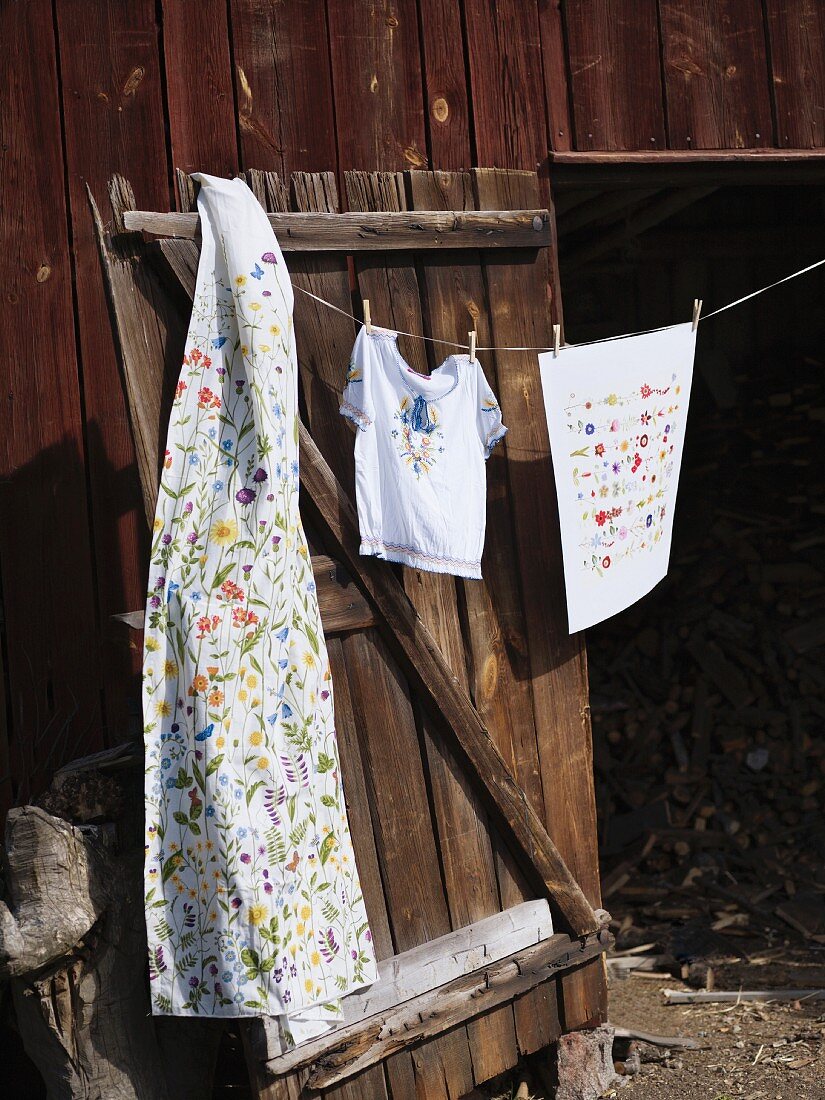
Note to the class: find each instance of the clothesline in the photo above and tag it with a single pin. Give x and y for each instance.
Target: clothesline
(604, 339)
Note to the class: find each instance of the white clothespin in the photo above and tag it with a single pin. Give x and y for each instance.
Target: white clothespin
(367, 319)
(472, 336)
(697, 309)
(556, 340)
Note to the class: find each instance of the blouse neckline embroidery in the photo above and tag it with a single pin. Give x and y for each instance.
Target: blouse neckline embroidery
(404, 368)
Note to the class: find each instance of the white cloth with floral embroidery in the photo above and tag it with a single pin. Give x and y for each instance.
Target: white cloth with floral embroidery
(253, 902)
(420, 479)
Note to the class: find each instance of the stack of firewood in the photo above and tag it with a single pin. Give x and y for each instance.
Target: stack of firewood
(708, 697)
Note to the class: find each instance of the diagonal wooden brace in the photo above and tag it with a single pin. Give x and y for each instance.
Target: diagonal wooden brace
(423, 662)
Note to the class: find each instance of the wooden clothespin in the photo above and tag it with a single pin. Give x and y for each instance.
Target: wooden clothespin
(697, 309)
(367, 318)
(556, 340)
(472, 336)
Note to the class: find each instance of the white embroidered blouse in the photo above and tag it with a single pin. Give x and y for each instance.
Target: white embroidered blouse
(419, 455)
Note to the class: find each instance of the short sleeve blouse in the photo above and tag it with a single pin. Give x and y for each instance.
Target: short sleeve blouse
(420, 455)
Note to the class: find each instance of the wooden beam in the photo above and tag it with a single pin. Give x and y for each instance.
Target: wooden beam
(654, 214)
(686, 167)
(426, 667)
(377, 231)
(342, 604)
(431, 965)
(366, 1042)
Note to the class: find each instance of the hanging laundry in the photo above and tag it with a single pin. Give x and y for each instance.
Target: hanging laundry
(616, 414)
(419, 455)
(253, 902)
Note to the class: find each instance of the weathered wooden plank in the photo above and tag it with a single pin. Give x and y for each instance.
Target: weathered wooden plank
(364, 1043)
(556, 78)
(445, 83)
(44, 540)
(149, 333)
(492, 618)
(504, 51)
(464, 841)
(404, 837)
(797, 54)
(283, 85)
(324, 348)
(199, 93)
(615, 75)
(376, 75)
(377, 232)
(716, 74)
(557, 661)
(342, 604)
(425, 665)
(433, 964)
(113, 121)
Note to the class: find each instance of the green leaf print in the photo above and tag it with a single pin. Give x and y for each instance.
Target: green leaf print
(183, 780)
(312, 637)
(326, 848)
(327, 799)
(325, 763)
(170, 865)
(214, 764)
(222, 574)
(249, 957)
(180, 817)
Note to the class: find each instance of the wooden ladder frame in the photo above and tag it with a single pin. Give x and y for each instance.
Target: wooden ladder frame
(504, 955)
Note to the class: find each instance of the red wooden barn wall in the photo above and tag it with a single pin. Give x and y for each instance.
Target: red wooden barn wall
(92, 87)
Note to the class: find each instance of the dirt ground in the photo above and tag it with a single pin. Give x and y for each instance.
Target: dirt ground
(753, 1051)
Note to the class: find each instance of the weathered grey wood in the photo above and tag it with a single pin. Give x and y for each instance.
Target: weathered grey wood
(375, 231)
(431, 965)
(426, 666)
(342, 604)
(368, 1041)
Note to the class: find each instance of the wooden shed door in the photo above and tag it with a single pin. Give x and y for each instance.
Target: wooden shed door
(461, 705)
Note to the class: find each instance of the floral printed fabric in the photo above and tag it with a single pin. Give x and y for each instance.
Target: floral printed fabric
(253, 903)
(616, 414)
(420, 478)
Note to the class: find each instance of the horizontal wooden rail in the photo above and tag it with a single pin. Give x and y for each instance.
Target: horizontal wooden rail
(430, 965)
(377, 231)
(342, 604)
(358, 1045)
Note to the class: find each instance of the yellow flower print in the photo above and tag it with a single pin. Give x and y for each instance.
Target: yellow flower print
(152, 644)
(275, 330)
(257, 914)
(256, 702)
(163, 709)
(308, 986)
(265, 347)
(170, 669)
(309, 660)
(306, 912)
(299, 929)
(255, 305)
(251, 680)
(263, 762)
(256, 737)
(224, 531)
(240, 280)
(220, 742)
(241, 673)
(243, 695)
(315, 958)
(244, 349)
(156, 526)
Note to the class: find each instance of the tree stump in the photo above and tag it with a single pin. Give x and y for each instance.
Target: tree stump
(73, 944)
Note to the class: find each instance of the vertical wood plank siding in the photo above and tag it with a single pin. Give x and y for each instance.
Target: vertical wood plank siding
(50, 613)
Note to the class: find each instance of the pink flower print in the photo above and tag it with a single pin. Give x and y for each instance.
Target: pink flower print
(614, 425)
(245, 496)
(622, 532)
(269, 258)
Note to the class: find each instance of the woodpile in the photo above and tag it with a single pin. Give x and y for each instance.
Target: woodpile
(707, 697)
